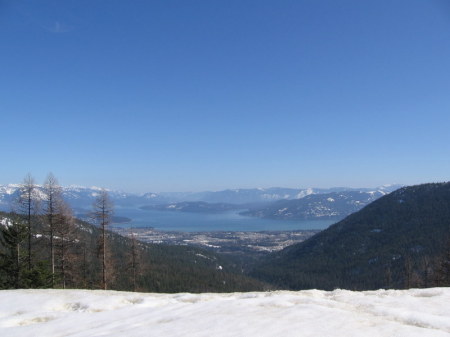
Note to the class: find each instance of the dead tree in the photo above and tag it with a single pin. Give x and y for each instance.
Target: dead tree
(408, 272)
(443, 270)
(65, 241)
(84, 266)
(28, 207)
(52, 201)
(102, 215)
(134, 258)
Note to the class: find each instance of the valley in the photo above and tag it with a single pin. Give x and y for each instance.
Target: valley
(397, 240)
(226, 242)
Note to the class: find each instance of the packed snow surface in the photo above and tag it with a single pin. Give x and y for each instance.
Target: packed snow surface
(424, 312)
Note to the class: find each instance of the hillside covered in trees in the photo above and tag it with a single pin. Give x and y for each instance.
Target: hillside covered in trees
(157, 268)
(401, 240)
(43, 246)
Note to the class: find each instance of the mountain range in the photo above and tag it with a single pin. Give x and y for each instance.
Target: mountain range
(400, 240)
(81, 198)
(335, 205)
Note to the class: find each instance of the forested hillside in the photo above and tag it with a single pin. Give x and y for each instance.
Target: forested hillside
(399, 241)
(335, 205)
(157, 268)
(42, 245)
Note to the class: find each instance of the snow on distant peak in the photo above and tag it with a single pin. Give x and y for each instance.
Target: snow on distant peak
(304, 193)
(96, 188)
(40, 194)
(75, 187)
(5, 222)
(10, 189)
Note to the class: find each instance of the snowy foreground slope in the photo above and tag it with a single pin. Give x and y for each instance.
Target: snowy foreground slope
(424, 312)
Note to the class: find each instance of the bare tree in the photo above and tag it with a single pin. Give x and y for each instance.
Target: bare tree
(446, 267)
(65, 241)
(28, 207)
(408, 272)
(52, 203)
(443, 267)
(134, 259)
(102, 215)
(84, 266)
(388, 277)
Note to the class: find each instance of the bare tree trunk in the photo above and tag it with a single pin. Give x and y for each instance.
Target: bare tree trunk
(388, 277)
(84, 267)
(134, 265)
(65, 242)
(63, 262)
(53, 199)
(408, 272)
(52, 245)
(134, 260)
(18, 264)
(28, 207)
(104, 257)
(102, 214)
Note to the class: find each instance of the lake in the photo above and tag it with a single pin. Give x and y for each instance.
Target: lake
(208, 222)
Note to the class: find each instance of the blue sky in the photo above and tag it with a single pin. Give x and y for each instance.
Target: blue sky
(207, 95)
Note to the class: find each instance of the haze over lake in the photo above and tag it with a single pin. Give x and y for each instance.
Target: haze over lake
(207, 222)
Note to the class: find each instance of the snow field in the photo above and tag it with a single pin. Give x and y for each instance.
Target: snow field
(416, 312)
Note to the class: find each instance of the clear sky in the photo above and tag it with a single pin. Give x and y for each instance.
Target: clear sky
(207, 95)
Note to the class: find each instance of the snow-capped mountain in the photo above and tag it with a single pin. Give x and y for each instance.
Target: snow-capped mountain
(265, 195)
(336, 205)
(82, 197)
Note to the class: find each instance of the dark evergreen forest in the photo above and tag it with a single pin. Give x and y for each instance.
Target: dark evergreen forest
(401, 240)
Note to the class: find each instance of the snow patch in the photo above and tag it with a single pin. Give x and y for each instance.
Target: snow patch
(402, 313)
(5, 222)
(304, 193)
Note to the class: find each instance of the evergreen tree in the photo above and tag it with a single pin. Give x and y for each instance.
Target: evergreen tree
(443, 269)
(12, 235)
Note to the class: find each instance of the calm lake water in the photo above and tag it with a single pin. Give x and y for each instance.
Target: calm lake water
(203, 222)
